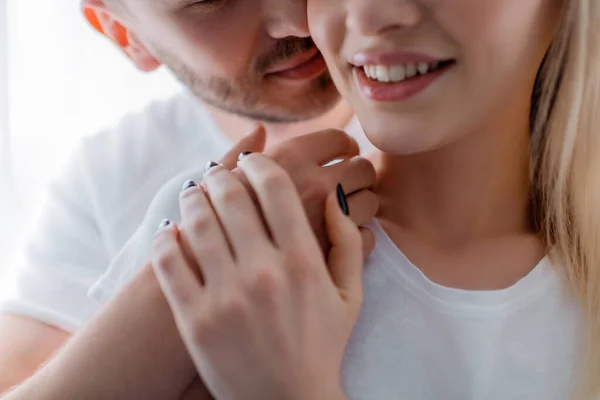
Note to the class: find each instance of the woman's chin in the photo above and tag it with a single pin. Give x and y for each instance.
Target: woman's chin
(401, 141)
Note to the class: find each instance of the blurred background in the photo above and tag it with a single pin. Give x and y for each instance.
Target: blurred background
(59, 81)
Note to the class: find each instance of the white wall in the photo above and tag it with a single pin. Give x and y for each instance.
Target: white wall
(64, 82)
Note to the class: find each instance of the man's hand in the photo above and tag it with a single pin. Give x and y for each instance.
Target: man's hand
(304, 159)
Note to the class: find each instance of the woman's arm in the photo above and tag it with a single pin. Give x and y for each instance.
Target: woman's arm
(132, 349)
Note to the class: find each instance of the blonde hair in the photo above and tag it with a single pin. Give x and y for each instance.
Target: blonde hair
(566, 168)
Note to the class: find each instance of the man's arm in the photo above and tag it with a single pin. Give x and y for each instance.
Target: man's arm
(132, 349)
(25, 344)
(153, 366)
(134, 334)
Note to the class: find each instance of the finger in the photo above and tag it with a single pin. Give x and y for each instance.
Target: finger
(355, 174)
(202, 232)
(368, 241)
(237, 213)
(319, 147)
(279, 201)
(363, 206)
(174, 274)
(254, 142)
(345, 258)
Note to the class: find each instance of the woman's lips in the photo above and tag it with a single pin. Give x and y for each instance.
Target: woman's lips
(305, 66)
(396, 91)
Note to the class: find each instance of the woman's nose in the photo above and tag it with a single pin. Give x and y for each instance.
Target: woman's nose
(365, 19)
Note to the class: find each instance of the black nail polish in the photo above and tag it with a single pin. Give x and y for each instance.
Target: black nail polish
(164, 223)
(343, 202)
(210, 165)
(188, 184)
(244, 155)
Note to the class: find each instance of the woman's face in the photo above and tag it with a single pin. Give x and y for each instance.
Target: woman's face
(423, 73)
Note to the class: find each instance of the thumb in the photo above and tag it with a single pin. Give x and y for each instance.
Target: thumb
(254, 142)
(345, 259)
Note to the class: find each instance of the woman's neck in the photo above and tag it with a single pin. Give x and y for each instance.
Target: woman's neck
(476, 187)
(461, 207)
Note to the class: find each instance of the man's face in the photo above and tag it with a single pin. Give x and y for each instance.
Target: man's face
(250, 57)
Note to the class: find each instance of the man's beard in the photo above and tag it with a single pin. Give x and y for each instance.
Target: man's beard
(243, 97)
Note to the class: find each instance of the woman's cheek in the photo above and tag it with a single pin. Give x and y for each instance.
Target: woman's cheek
(326, 24)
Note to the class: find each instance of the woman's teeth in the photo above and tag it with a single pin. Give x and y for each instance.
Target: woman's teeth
(398, 73)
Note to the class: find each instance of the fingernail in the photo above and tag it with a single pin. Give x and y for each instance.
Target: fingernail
(342, 201)
(188, 184)
(244, 155)
(210, 165)
(163, 224)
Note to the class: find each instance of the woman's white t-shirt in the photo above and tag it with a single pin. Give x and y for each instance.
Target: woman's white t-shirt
(418, 340)
(414, 339)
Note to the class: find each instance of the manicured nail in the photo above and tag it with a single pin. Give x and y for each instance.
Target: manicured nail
(244, 155)
(343, 202)
(163, 224)
(188, 184)
(210, 165)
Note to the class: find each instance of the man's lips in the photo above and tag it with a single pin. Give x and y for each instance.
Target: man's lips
(294, 62)
(297, 63)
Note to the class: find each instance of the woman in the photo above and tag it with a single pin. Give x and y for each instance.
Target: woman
(484, 116)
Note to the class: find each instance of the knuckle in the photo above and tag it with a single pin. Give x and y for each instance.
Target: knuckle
(315, 189)
(336, 134)
(369, 202)
(367, 170)
(184, 297)
(302, 273)
(373, 203)
(200, 222)
(301, 264)
(164, 257)
(231, 194)
(266, 282)
(233, 305)
(275, 181)
(341, 137)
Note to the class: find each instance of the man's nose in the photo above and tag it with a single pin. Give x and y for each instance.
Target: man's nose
(287, 18)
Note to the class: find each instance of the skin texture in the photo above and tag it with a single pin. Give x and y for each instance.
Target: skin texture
(19, 336)
(453, 175)
(135, 347)
(452, 180)
(269, 317)
(221, 53)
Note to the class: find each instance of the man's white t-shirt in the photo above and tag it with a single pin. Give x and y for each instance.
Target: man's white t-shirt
(101, 200)
(414, 339)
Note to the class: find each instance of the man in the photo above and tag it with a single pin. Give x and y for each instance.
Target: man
(243, 61)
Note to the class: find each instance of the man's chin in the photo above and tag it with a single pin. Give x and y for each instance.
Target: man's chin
(273, 101)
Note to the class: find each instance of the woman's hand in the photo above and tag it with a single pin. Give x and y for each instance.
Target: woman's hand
(262, 313)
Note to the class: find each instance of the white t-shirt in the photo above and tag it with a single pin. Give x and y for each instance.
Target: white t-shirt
(418, 340)
(101, 199)
(414, 339)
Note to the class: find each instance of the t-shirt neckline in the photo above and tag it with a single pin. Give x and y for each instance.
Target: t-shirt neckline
(541, 279)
